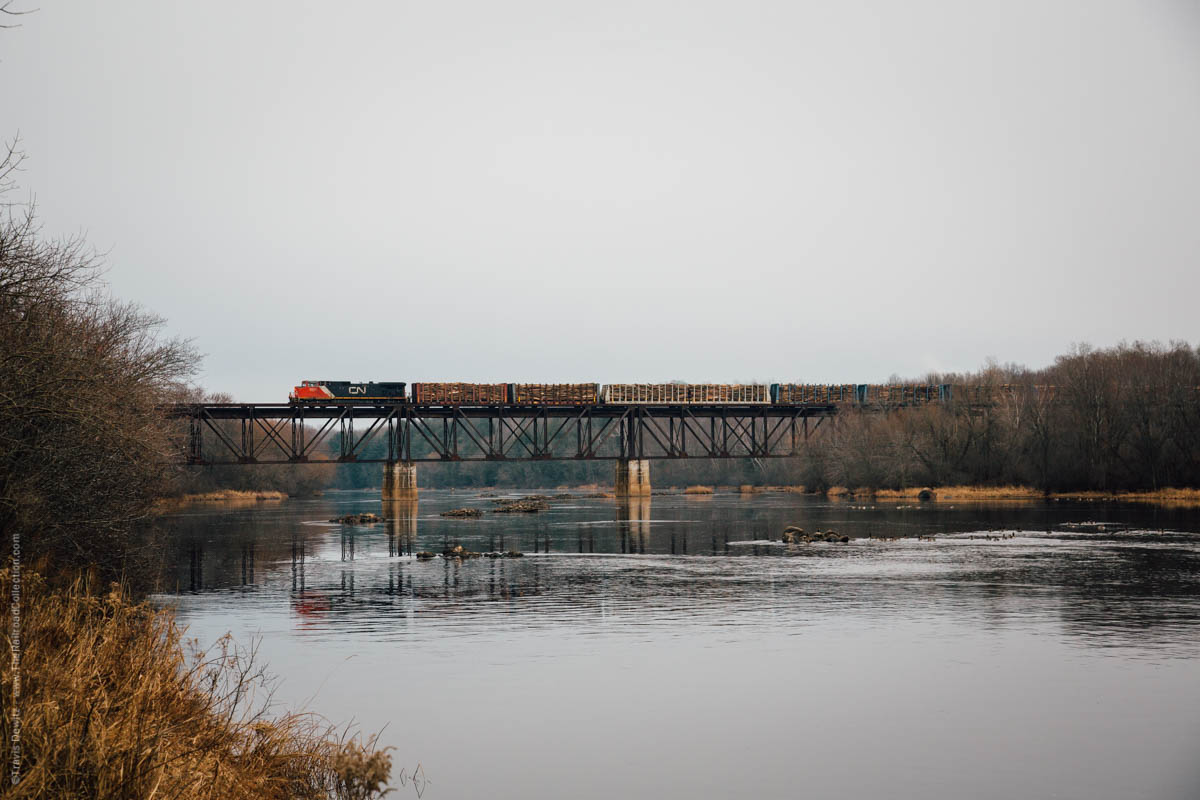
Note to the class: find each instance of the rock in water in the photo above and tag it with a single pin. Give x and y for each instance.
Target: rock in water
(792, 534)
(463, 512)
(524, 505)
(458, 551)
(365, 518)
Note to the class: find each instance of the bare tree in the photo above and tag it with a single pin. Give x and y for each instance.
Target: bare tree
(83, 445)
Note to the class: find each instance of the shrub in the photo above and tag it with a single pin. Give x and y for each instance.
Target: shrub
(113, 706)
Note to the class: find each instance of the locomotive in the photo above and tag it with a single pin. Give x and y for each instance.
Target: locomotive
(341, 391)
(573, 394)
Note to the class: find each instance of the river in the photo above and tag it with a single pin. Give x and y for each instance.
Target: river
(674, 647)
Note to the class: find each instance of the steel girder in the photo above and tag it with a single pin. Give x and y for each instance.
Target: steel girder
(237, 433)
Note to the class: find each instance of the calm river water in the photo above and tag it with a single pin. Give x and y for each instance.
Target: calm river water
(674, 648)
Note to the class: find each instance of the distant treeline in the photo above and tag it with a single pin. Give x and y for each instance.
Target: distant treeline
(1124, 418)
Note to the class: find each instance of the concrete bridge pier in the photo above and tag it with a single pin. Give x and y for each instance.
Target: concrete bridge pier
(399, 480)
(633, 477)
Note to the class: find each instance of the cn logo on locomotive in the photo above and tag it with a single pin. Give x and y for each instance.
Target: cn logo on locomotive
(357, 389)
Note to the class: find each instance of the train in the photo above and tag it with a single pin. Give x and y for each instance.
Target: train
(580, 394)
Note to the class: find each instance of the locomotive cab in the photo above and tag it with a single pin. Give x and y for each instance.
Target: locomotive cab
(308, 391)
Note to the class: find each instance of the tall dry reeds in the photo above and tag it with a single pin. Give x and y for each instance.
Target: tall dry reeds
(112, 705)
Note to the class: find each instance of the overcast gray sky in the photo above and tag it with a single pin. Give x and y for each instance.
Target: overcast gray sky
(553, 191)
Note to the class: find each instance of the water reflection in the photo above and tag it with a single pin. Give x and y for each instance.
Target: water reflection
(645, 621)
(714, 558)
(401, 525)
(633, 523)
(299, 553)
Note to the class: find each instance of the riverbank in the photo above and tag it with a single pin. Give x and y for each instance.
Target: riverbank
(1186, 498)
(115, 705)
(1183, 498)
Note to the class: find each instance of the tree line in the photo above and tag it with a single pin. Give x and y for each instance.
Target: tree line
(1125, 418)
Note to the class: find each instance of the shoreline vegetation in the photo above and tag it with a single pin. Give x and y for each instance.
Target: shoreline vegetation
(227, 496)
(987, 494)
(103, 697)
(1182, 497)
(116, 704)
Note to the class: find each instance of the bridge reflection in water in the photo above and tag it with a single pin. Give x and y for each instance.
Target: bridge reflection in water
(335, 575)
(401, 526)
(633, 523)
(589, 633)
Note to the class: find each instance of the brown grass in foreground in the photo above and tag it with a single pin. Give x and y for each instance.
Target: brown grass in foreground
(112, 706)
(698, 490)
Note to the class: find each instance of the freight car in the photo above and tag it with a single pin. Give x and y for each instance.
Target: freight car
(902, 394)
(685, 393)
(460, 394)
(554, 394)
(800, 393)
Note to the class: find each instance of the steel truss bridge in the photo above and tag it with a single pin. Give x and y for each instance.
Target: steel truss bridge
(283, 433)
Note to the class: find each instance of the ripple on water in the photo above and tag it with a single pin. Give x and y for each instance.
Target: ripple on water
(891, 644)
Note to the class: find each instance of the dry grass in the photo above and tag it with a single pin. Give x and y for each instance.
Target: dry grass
(112, 706)
(698, 490)
(228, 496)
(748, 488)
(966, 494)
(1182, 498)
(963, 494)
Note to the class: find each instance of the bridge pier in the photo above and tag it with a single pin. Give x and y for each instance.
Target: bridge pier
(633, 477)
(399, 480)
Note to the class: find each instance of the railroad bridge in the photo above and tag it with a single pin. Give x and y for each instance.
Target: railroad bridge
(401, 435)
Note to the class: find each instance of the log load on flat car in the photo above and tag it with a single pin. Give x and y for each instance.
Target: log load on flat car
(341, 391)
(800, 393)
(686, 393)
(554, 394)
(901, 394)
(460, 394)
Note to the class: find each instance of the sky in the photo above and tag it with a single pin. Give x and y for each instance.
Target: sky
(621, 191)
